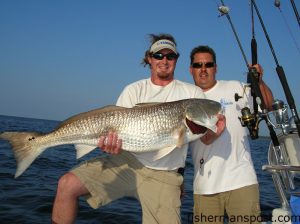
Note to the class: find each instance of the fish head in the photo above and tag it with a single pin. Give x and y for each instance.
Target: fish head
(201, 114)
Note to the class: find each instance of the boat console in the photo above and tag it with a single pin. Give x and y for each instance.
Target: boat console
(284, 164)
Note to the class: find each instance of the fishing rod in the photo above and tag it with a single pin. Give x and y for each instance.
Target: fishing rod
(224, 11)
(272, 132)
(254, 57)
(248, 119)
(252, 120)
(281, 74)
(282, 180)
(295, 11)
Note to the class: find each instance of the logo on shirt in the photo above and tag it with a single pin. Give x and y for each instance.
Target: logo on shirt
(225, 103)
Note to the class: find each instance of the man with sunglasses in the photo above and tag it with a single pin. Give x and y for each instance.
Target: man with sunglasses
(155, 183)
(224, 175)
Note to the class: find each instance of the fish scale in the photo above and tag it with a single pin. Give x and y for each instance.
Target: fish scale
(143, 128)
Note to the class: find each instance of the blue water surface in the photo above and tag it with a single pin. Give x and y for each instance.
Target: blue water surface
(29, 198)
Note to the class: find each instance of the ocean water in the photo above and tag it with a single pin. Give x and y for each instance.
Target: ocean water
(29, 198)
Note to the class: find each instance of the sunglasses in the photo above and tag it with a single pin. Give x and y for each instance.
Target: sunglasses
(206, 64)
(160, 56)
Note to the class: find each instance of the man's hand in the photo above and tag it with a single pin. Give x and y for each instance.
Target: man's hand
(110, 143)
(265, 90)
(259, 70)
(221, 124)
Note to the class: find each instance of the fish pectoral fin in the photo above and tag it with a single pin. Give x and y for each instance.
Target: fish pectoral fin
(82, 150)
(163, 152)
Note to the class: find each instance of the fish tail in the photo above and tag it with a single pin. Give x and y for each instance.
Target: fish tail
(25, 148)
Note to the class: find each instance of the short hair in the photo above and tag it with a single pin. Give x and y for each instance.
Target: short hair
(153, 38)
(203, 49)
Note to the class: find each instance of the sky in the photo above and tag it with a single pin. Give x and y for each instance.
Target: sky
(62, 57)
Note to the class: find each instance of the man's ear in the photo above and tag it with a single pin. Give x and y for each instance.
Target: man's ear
(191, 70)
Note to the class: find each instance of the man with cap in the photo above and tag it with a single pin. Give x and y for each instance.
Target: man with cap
(155, 183)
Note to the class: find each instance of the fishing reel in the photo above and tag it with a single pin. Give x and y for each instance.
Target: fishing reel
(251, 121)
(248, 119)
(280, 112)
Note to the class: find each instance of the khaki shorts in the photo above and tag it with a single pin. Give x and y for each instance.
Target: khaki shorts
(115, 176)
(241, 205)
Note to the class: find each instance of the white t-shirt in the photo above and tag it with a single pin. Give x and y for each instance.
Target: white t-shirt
(225, 164)
(145, 91)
